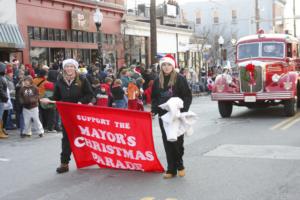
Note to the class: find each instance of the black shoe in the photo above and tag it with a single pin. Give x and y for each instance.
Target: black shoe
(62, 168)
(41, 134)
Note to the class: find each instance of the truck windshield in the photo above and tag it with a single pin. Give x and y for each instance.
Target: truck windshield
(272, 49)
(250, 50)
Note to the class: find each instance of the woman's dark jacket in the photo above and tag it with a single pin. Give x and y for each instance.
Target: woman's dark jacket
(80, 90)
(162, 95)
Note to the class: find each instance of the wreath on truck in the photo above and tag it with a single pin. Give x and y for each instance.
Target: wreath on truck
(249, 74)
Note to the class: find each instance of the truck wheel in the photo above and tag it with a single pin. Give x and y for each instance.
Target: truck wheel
(290, 107)
(225, 108)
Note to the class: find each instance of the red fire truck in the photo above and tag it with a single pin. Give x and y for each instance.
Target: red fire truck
(267, 68)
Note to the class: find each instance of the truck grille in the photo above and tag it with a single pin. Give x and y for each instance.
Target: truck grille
(244, 77)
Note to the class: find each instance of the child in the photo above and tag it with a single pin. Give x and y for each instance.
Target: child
(118, 94)
(133, 94)
(101, 96)
(103, 93)
(29, 98)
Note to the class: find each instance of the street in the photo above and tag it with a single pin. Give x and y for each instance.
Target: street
(254, 155)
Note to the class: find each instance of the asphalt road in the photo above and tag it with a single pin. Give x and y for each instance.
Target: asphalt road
(254, 155)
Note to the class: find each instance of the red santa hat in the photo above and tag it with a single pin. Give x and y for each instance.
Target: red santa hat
(168, 59)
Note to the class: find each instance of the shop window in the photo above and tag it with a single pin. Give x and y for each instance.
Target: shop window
(74, 36)
(95, 37)
(44, 34)
(104, 38)
(30, 32)
(37, 33)
(57, 35)
(85, 36)
(50, 34)
(39, 55)
(68, 35)
(109, 39)
(79, 36)
(68, 53)
(91, 37)
(63, 35)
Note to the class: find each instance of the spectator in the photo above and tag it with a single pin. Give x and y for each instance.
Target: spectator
(29, 98)
(3, 99)
(118, 94)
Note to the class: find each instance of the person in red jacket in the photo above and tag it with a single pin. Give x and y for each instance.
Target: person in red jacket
(148, 92)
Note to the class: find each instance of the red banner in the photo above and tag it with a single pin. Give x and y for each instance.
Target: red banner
(110, 138)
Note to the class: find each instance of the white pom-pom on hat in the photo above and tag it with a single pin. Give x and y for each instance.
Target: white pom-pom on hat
(70, 61)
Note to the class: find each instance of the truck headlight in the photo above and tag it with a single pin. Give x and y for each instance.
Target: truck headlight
(275, 78)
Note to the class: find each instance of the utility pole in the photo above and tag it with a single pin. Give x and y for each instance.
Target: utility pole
(153, 31)
(294, 14)
(257, 17)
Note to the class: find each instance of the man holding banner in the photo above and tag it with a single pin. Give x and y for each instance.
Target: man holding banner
(75, 89)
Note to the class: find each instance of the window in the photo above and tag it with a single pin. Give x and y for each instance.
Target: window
(198, 17)
(50, 34)
(91, 37)
(68, 35)
(85, 36)
(79, 36)
(216, 17)
(57, 35)
(234, 16)
(63, 35)
(271, 49)
(74, 36)
(37, 33)
(249, 50)
(30, 32)
(44, 34)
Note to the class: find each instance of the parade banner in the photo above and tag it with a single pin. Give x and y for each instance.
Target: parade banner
(109, 137)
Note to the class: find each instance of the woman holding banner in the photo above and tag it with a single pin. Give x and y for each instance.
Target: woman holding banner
(70, 87)
(171, 84)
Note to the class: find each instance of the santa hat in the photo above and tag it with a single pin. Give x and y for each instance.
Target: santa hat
(168, 59)
(70, 61)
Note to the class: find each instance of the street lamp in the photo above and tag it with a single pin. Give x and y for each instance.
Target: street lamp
(98, 18)
(221, 42)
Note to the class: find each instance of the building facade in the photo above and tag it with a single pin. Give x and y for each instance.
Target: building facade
(173, 37)
(11, 40)
(57, 29)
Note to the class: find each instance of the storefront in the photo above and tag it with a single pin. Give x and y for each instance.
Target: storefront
(11, 42)
(170, 40)
(65, 29)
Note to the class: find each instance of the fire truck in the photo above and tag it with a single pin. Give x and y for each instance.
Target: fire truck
(267, 74)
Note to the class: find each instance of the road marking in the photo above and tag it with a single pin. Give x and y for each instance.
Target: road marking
(4, 160)
(290, 124)
(256, 151)
(147, 198)
(286, 122)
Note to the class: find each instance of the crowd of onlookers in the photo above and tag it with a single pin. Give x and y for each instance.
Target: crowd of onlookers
(129, 87)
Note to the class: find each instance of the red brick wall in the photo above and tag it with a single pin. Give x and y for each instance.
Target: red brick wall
(57, 14)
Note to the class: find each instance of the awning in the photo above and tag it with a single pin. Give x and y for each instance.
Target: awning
(10, 36)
